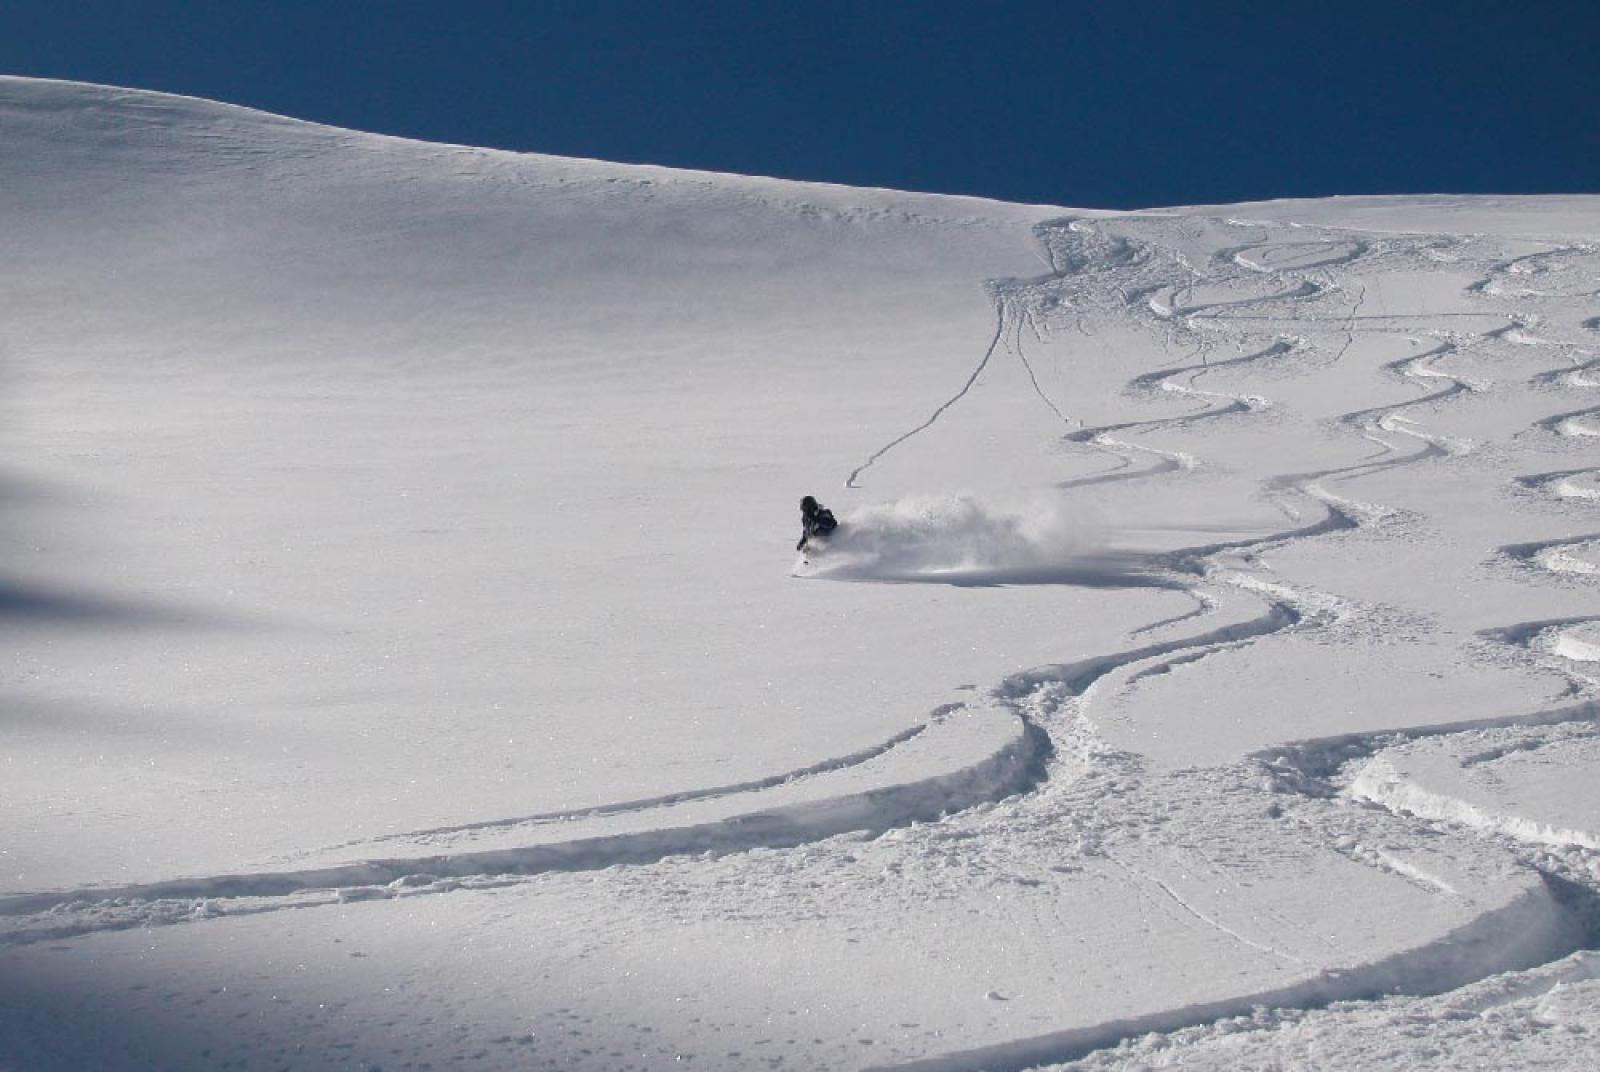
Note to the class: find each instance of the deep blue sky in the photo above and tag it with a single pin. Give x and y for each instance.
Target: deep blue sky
(1088, 104)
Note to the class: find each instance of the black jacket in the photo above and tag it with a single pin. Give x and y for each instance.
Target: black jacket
(817, 521)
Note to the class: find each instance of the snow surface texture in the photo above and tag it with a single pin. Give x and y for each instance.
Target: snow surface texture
(1203, 673)
(956, 539)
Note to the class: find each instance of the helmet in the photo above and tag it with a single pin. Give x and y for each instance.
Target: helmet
(808, 503)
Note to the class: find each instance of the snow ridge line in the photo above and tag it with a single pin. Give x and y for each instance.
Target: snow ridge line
(1538, 927)
(1546, 554)
(1078, 677)
(1523, 634)
(1570, 424)
(1336, 519)
(1522, 934)
(1579, 374)
(1150, 381)
(1528, 264)
(1208, 310)
(1548, 642)
(1318, 760)
(826, 766)
(1169, 461)
(1563, 484)
(1413, 367)
(1378, 782)
(1229, 405)
(1013, 768)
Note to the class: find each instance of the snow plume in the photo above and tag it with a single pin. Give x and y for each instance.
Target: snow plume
(961, 540)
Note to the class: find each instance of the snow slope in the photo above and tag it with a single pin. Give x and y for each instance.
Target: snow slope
(398, 533)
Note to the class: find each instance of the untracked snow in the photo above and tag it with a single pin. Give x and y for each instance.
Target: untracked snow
(408, 665)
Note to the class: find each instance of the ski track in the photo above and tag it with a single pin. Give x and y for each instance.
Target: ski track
(1306, 763)
(1037, 769)
(1582, 423)
(1554, 557)
(753, 824)
(1214, 405)
(1416, 368)
(1001, 321)
(826, 766)
(1559, 643)
(1572, 484)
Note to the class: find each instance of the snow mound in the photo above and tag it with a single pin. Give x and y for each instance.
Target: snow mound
(963, 540)
(1498, 781)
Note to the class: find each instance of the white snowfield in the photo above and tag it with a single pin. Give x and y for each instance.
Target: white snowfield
(1206, 670)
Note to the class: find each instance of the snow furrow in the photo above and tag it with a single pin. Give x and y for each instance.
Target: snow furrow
(1302, 256)
(913, 790)
(1560, 557)
(1415, 368)
(1580, 484)
(1546, 635)
(1377, 782)
(1321, 758)
(1578, 424)
(1527, 932)
(826, 766)
(1079, 676)
(1166, 461)
(1537, 930)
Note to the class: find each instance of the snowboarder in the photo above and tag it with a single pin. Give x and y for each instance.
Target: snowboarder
(816, 520)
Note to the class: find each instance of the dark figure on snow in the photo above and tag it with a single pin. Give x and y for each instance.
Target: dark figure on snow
(815, 520)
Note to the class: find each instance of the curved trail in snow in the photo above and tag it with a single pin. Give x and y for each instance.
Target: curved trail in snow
(1046, 771)
(1562, 642)
(983, 363)
(1545, 922)
(1557, 557)
(1580, 423)
(1575, 484)
(892, 784)
(1214, 405)
(457, 853)
(1419, 369)
(1299, 768)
